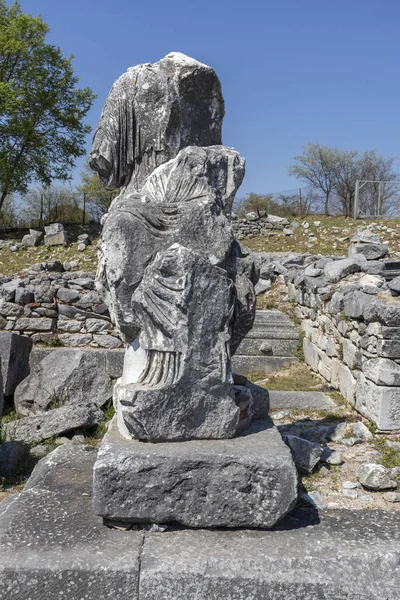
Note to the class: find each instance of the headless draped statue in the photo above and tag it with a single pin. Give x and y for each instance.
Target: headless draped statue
(172, 274)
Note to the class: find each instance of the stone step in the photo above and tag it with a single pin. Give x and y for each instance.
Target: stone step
(299, 400)
(243, 364)
(51, 542)
(268, 347)
(274, 330)
(272, 316)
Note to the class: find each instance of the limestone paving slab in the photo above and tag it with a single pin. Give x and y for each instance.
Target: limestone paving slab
(338, 555)
(249, 480)
(53, 546)
(299, 400)
(243, 364)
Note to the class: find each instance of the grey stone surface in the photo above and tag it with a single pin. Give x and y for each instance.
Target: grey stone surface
(298, 400)
(366, 236)
(34, 238)
(106, 341)
(66, 295)
(382, 371)
(65, 377)
(243, 364)
(369, 250)
(361, 431)
(133, 138)
(246, 481)
(56, 239)
(305, 454)
(375, 477)
(394, 285)
(339, 269)
(334, 556)
(355, 303)
(54, 422)
(380, 404)
(51, 543)
(183, 392)
(267, 345)
(53, 228)
(391, 497)
(14, 354)
(161, 243)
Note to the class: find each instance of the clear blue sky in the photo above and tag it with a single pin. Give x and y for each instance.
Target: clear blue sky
(292, 71)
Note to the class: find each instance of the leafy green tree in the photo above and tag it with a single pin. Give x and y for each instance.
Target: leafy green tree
(97, 198)
(41, 109)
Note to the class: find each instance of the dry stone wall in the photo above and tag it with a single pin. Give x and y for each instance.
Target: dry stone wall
(349, 310)
(254, 224)
(54, 305)
(352, 334)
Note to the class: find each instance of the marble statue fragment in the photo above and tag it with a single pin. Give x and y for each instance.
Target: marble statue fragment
(176, 282)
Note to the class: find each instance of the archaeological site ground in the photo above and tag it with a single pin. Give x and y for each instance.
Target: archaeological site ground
(195, 403)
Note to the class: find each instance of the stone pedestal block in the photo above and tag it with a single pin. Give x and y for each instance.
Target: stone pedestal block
(247, 481)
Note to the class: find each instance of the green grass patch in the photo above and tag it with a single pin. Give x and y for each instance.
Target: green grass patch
(390, 457)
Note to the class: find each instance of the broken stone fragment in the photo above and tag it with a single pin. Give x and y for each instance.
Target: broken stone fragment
(305, 454)
(33, 430)
(375, 477)
(64, 377)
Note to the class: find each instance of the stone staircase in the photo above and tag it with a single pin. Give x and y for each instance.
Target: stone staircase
(270, 345)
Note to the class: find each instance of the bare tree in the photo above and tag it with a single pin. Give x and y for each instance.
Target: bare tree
(50, 204)
(317, 166)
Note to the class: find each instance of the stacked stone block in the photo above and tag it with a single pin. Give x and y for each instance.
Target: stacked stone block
(351, 323)
(53, 306)
(254, 224)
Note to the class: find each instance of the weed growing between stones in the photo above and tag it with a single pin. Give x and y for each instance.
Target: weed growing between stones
(390, 457)
(95, 434)
(55, 342)
(57, 400)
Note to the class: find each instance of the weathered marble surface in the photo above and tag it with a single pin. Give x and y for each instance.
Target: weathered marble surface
(51, 541)
(177, 284)
(152, 111)
(247, 481)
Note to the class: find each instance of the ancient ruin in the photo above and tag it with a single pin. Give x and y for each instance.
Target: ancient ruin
(182, 294)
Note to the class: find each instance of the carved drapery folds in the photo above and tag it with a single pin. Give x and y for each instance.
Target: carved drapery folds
(175, 280)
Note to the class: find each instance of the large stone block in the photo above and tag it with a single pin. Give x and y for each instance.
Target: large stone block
(64, 377)
(247, 481)
(57, 421)
(36, 324)
(380, 404)
(338, 269)
(56, 239)
(51, 543)
(335, 555)
(244, 365)
(347, 383)
(267, 346)
(371, 251)
(14, 353)
(382, 371)
(311, 354)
